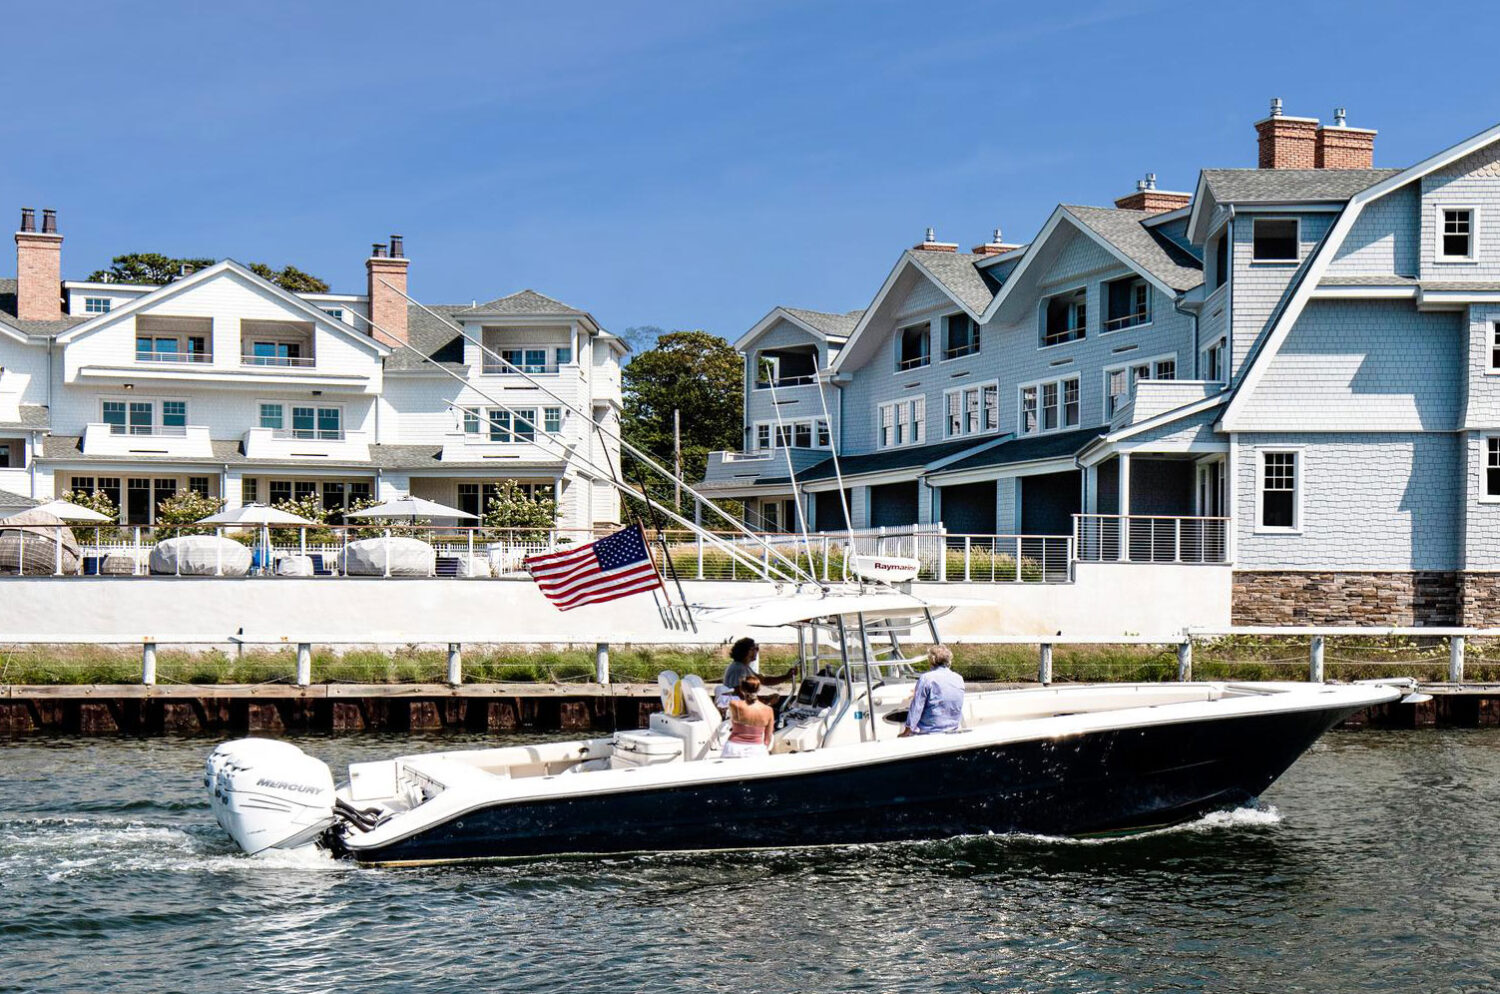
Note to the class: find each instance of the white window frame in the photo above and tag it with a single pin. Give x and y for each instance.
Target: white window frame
(943, 356)
(1299, 481)
(1437, 242)
(1296, 241)
(765, 438)
(909, 412)
(1152, 361)
(106, 304)
(978, 389)
(1135, 281)
(1060, 382)
(1485, 438)
(1222, 344)
(156, 409)
(789, 429)
(903, 370)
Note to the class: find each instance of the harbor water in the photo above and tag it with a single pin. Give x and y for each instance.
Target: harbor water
(1373, 865)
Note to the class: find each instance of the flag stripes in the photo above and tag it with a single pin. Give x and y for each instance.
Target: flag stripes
(612, 567)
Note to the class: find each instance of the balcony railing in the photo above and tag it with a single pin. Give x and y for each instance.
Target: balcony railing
(300, 362)
(158, 431)
(320, 434)
(786, 381)
(957, 351)
(492, 368)
(915, 362)
(1128, 321)
(1136, 538)
(178, 357)
(1057, 336)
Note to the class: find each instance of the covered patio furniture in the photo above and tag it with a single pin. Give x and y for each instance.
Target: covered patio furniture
(35, 542)
(294, 566)
(200, 555)
(258, 515)
(389, 556)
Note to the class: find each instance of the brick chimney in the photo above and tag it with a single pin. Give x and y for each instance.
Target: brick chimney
(995, 246)
(1342, 147)
(1287, 142)
(1148, 198)
(38, 268)
(387, 265)
(930, 243)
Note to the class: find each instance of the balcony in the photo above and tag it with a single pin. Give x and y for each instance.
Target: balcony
(307, 443)
(783, 382)
(1136, 538)
(494, 367)
(279, 361)
(181, 358)
(186, 442)
(1127, 321)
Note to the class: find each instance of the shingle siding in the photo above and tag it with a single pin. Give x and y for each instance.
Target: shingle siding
(1370, 501)
(1364, 365)
(1384, 240)
(1473, 181)
(1258, 286)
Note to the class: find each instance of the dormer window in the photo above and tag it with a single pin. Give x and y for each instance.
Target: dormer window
(1129, 302)
(914, 347)
(960, 336)
(1274, 239)
(1065, 317)
(1457, 227)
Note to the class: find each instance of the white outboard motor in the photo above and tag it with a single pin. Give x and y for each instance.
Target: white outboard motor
(268, 794)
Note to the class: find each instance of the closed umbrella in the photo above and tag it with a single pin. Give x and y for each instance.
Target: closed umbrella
(259, 514)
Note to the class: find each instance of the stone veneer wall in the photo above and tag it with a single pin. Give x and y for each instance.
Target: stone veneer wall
(1479, 599)
(1295, 597)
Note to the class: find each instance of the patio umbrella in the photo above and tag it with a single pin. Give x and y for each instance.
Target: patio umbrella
(413, 508)
(259, 514)
(69, 511)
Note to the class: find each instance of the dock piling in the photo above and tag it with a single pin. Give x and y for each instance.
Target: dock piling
(1456, 659)
(1315, 659)
(304, 664)
(455, 664)
(1185, 660)
(148, 663)
(601, 662)
(1044, 664)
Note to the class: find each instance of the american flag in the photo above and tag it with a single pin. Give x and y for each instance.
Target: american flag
(612, 567)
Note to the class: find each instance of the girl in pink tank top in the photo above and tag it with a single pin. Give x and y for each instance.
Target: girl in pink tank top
(750, 723)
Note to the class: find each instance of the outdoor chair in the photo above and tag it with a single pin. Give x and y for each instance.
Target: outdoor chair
(320, 566)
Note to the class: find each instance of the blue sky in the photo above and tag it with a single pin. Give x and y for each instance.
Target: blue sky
(688, 165)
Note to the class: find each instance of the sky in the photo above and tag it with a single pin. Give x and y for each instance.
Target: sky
(682, 165)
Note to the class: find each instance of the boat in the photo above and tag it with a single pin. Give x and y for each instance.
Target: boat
(1068, 760)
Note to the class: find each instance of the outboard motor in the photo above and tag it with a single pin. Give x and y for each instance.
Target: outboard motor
(268, 794)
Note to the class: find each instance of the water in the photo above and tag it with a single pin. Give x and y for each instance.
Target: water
(1374, 865)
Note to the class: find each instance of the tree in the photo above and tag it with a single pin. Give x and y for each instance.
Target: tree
(695, 373)
(98, 500)
(522, 515)
(640, 339)
(185, 509)
(155, 269)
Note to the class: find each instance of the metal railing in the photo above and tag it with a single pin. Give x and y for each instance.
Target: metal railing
(187, 357)
(786, 381)
(1128, 321)
(319, 434)
(492, 368)
(1057, 336)
(302, 362)
(915, 362)
(958, 351)
(1136, 538)
(159, 431)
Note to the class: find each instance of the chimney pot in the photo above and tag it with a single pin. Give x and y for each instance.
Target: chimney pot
(49, 221)
(28, 219)
(184, 269)
(377, 250)
(1275, 106)
(1339, 118)
(397, 247)
(931, 235)
(1150, 181)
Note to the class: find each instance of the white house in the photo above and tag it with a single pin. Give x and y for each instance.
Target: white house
(224, 383)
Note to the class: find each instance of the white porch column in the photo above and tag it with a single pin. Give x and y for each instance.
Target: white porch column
(232, 487)
(1124, 489)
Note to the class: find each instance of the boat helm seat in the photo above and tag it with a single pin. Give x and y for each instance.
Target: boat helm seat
(697, 728)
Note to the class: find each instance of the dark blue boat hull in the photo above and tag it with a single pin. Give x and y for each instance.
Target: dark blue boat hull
(1116, 780)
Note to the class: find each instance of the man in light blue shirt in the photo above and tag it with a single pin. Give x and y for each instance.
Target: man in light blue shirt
(938, 703)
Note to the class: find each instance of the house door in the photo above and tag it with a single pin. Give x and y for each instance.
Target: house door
(1211, 502)
(138, 502)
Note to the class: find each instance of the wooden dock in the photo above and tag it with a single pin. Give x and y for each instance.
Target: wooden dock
(351, 708)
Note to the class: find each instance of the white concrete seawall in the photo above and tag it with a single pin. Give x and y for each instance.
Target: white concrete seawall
(1106, 600)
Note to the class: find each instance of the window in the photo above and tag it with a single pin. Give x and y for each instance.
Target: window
(903, 422)
(6, 448)
(972, 410)
(1065, 317)
(325, 423)
(303, 489)
(271, 416)
(1492, 466)
(513, 426)
(763, 436)
(914, 347)
(96, 305)
(1279, 491)
(1275, 239)
(531, 360)
(1221, 260)
(825, 439)
(471, 421)
(793, 434)
(960, 336)
(337, 313)
(1213, 361)
(1120, 381)
(267, 353)
(174, 414)
(248, 490)
(280, 491)
(184, 348)
(563, 355)
(552, 420)
(1128, 303)
(1049, 406)
(1456, 231)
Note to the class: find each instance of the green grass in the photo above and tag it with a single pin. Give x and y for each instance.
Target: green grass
(1238, 658)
